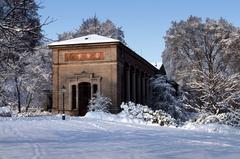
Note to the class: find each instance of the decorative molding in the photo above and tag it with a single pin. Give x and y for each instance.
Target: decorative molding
(83, 56)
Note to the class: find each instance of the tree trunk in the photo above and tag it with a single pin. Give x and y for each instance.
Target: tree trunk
(29, 100)
(18, 95)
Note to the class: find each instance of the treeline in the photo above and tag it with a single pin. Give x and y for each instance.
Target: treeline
(201, 56)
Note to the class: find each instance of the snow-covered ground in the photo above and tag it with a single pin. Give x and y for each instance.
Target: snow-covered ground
(116, 137)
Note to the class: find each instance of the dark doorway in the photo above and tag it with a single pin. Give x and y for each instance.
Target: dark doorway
(84, 96)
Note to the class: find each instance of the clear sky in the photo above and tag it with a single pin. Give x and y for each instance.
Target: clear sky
(144, 22)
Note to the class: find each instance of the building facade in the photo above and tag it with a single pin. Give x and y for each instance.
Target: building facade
(93, 63)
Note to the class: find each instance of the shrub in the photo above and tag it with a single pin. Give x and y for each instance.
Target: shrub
(5, 112)
(229, 118)
(100, 103)
(138, 111)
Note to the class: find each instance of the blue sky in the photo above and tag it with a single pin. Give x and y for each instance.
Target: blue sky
(144, 22)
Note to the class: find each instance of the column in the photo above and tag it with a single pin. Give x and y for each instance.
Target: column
(136, 86)
(139, 88)
(128, 85)
(133, 80)
(143, 89)
(147, 90)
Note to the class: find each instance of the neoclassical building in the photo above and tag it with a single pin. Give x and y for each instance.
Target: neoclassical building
(93, 63)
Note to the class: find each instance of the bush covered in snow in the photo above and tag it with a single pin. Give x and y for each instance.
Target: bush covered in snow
(137, 111)
(100, 103)
(167, 98)
(229, 118)
(9, 112)
(5, 112)
(32, 113)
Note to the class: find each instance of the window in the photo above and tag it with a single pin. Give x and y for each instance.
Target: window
(74, 97)
(95, 88)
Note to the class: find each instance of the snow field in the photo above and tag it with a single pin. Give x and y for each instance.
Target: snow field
(104, 136)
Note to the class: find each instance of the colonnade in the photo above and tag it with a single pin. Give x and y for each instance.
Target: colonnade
(136, 85)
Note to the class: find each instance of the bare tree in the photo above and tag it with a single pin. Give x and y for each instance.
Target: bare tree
(20, 33)
(203, 57)
(94, 26)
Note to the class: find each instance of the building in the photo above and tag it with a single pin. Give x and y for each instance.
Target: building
(93, 63)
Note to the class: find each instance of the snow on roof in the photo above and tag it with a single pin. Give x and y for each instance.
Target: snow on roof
(157, 64)
(89, 39)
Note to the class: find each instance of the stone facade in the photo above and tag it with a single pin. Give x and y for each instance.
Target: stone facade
(109, 67)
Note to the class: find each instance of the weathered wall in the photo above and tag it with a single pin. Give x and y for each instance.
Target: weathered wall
(65, 69)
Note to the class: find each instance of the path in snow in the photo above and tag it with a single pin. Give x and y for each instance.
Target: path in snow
(85, 138)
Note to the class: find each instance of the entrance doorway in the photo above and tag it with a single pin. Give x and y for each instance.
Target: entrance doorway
(84, 96)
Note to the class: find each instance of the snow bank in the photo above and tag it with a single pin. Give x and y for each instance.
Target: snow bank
(96, 115)
(231, 118)
(33, 113)
(121, 117)
(211, 128)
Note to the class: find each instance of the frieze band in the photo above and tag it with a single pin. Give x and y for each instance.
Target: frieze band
(84, 56)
